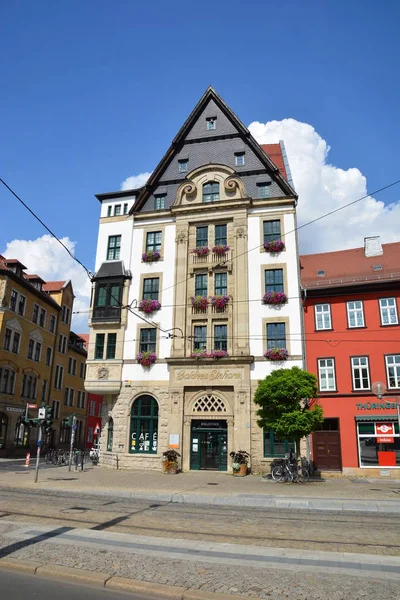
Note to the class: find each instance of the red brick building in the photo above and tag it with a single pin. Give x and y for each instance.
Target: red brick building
(93, 414)
(351, 319)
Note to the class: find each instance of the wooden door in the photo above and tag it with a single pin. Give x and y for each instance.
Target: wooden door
(327, 451)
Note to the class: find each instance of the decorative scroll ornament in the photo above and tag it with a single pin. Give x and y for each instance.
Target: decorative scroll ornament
(102, 373)
(233, 182)
(188, 189)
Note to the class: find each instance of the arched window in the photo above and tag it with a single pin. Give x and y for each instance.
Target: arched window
(3, 430)
(144, 426)
(110, 434)
(21, 434)
(210, 191)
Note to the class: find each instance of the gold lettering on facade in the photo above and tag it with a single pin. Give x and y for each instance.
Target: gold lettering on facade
(214, 375)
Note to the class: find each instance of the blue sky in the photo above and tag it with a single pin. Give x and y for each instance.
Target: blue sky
(93, 92)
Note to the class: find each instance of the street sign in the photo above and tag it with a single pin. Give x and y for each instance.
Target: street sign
(75, 427)
(42, 413)
(32, 405)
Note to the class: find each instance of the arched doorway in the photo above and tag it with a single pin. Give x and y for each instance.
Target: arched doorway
(209, 434)
(144, 426)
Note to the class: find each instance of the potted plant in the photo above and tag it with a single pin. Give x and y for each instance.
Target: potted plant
(277, 354)
(201, 251)
(200, 302)
(240, 460)
(149, 306)
(219, 354)
(274, 246)
(151, 256)
(220, 249)
(146, 359)
(275, 298)
(170, 461)
(219, 302)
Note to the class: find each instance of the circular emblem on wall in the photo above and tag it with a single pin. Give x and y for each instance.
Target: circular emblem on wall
(102, 373)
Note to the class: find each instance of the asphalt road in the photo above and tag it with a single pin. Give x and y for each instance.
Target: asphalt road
(29, 587)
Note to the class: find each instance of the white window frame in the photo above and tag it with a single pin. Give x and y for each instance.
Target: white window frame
(354, 311)
(326, 369)
(50, 354)
(211, 123)
(240, 160)
(386, 309)
(355, 367)
(35, 343)
(183, 164)
(52, 319)
(325, 310)
(42, 311)
(396, 367)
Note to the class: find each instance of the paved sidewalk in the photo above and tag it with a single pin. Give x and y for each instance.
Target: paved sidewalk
(209, 487)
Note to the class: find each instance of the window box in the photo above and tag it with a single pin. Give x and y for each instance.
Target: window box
(220, 249)
(201, 251)
(274, 246)
(146, 359)
(149, 306)
(213, 354)
(151, 256)
(200, 302)
(277, 354)
(219, 302)
(274, 298)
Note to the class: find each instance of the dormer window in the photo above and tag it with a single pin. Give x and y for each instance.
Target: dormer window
(211, 191)
(183, 165)
(211, 123)
(159, 202)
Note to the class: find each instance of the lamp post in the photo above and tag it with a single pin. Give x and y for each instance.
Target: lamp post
(379, 389)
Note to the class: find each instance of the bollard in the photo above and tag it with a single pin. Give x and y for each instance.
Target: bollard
(28, 459)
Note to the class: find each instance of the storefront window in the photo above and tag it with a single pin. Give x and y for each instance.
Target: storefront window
(144, 426)
(379, 444)
(3, 429)
(273, 447)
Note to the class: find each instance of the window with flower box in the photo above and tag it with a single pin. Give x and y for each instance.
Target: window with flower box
(153, 241)
(148, 340)
(276, 335)
(272, 231)
(151, 288)
(200, 337)
(201, 237)
(220, 337)
(201, 284)
(221, 238)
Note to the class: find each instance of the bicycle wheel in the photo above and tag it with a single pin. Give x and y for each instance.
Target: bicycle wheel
(277, 473)
(303, 476)
(48, 458)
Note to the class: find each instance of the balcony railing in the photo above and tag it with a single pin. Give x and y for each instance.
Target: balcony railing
(212, 258)
(106, 313)
(211, 309)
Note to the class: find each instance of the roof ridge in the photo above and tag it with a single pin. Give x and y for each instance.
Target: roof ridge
(347, 250)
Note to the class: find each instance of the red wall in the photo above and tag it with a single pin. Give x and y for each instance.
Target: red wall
(92, 421)
(340, 343)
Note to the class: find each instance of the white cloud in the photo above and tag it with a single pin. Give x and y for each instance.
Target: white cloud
(48, 259)
(322, 187)
(134, 182)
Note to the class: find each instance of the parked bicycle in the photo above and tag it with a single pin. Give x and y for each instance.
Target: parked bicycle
(290, 469)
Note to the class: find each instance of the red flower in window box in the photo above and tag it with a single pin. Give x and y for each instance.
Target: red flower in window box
(200, 302)
(151, 256)
(201, 251)
(146, 359)
(219, 302)
(275, 298)
(149, 306)
(277, 354)
(274, 246)
(221, 249)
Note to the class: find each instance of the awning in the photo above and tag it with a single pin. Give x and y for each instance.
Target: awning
(377, 418)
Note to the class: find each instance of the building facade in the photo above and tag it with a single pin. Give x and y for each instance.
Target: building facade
(189, 248)
(352, 342)
(39, 356)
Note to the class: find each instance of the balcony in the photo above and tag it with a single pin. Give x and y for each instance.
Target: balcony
(210, 309)
(212, 259)
(106, 313)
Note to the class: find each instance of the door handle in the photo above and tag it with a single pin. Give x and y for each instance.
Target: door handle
(329, 451)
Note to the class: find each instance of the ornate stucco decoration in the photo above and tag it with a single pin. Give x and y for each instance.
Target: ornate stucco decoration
(181, 237)
(102, 373)
(234, 183)
(231, 187)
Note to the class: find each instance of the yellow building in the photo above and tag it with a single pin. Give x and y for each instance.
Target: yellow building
(41, 360)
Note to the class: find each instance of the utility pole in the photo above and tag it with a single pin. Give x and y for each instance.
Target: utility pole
(39, 442)
(72, 441)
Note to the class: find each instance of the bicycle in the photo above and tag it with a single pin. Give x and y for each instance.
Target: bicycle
(290, 470)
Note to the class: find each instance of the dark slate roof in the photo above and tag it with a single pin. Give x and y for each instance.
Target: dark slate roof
(113, 268)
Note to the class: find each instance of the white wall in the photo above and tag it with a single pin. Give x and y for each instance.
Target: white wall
(122, 228)
(129, 200)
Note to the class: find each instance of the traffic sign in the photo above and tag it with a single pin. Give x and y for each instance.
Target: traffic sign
(42, 413)
(32, 405)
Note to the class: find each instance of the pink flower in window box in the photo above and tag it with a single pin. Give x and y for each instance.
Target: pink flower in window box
(275, 298)
(221, 249)
(146, 359)
(151, 256)
(201, 251)
(149, 306)
(274, 246)
(277, 354)
(200, 302)
(219, 302)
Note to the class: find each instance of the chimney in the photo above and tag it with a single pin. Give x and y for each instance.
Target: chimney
(372, 246)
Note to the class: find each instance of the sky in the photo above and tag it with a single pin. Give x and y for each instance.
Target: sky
(93, 92)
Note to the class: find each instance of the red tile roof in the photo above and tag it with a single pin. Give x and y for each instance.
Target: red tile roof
(33, 278)
(84, 336)
(54, 286)
(274, 152)
(347, 267)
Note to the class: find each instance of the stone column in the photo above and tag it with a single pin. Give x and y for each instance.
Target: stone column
(181, 275)
(241, 296)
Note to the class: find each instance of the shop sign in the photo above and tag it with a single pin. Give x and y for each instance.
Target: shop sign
(385, 433)
(14, 409)
(376, 406)
(206, 375)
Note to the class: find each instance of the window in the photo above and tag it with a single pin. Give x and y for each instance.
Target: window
(34, 350)
(44, 390)
(370, 446)
(117, 210)
(48, 356)
(220, 235)
(62, 344)
(21, 434)
(264, 189)
(38, 351)
(12, 340)
(21, 305)
(200, 337)
(90, 434)
(183, 165)
(82, 371)
(273, 447)
(272, 231)
(355, 314)
(3, 429)
(211, 123)
(65, 314)
(239, 159)
(71, 397)
(66, 396)
(82, 400)
(125, 208)
(99, 346)
(276, 335)
(144, 426)
(7, 339)
(220, 337)
(111, 345)
(35, 313)
(65, 433)
(109, 211)
(150, 288)
(159, 202)
(326, 374)
(16, 342)
(221, 284)
(201, 285)
(92, 408)
(274, 280)
(72, 366)
(210, 191)
(360, 373)
(29, 386)
(393, 370)
(7, 380)
(110, 434)
(42, 317)
(388, 310)
(153, 241)
(13, 300)
(148, 338)
(107, 302)
(201, 236)
(52, 324)
(56, 409)
(114, 247)
(58, 379)
(323, 316)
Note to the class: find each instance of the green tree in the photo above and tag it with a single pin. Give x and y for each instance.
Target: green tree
(287, 404)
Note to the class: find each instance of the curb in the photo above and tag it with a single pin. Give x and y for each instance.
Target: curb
(134, 586)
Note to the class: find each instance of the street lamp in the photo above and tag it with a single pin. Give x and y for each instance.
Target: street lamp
(379, 389)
